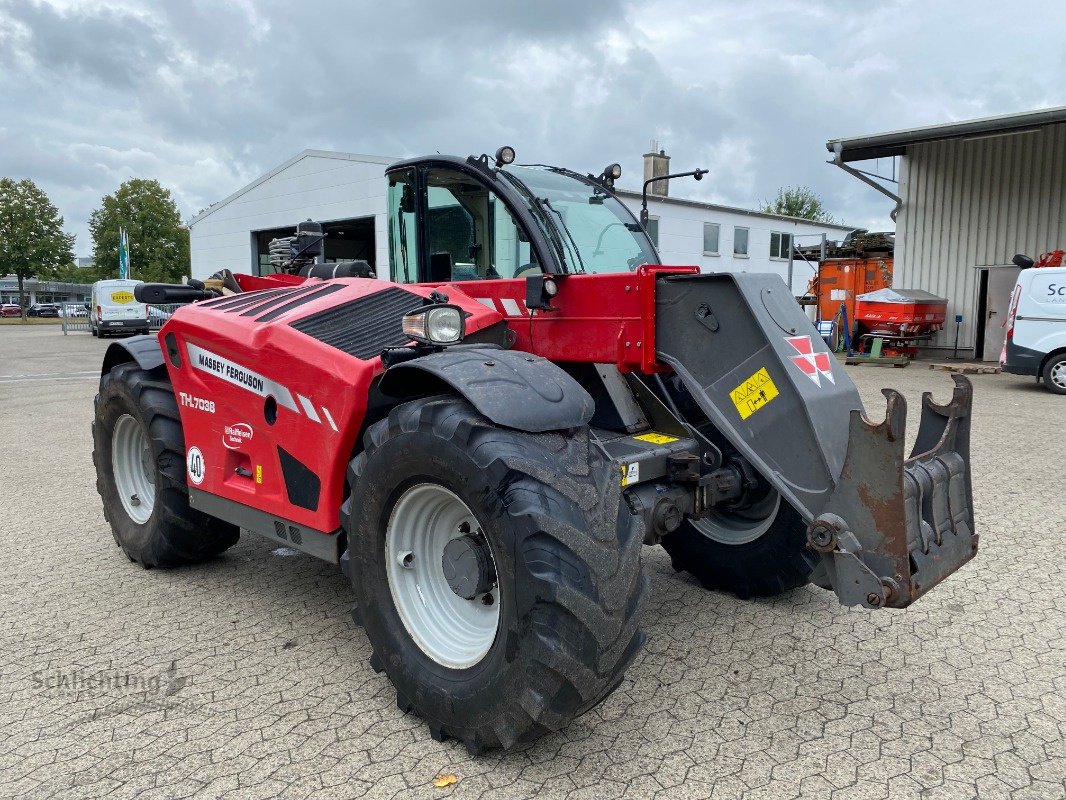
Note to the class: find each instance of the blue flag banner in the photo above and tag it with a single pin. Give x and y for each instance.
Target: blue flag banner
(123, 254)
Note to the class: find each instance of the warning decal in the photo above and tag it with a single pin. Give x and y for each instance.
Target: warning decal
(656, 438)
(754, 393)
(630, 474)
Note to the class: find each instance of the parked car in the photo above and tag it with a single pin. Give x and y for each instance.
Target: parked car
(71, 310)
(1036, 326)
(43, 310)
(10, 310)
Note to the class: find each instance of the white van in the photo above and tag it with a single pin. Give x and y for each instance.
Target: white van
(1036, 327)
(115, 310)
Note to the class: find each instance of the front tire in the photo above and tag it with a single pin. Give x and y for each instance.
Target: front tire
(765, 558)
(566, 586)
(139, 453)
(1055, 374)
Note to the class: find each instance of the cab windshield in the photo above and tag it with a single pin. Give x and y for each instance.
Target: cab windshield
(590, 229)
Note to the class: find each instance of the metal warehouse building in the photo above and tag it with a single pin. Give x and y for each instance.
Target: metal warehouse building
(970, 196)
(347, 192)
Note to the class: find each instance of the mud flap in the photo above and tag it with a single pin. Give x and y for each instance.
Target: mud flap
(893, 528)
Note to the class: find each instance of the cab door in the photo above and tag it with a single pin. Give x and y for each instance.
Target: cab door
(446, 225)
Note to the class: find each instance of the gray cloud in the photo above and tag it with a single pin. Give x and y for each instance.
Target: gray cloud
(205, 96)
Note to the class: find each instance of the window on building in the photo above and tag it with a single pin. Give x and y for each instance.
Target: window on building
(710, 238)
(780, 244)
(740, 241)
(653, 230)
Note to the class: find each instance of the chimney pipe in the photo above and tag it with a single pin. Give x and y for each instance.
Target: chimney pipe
(657, 164)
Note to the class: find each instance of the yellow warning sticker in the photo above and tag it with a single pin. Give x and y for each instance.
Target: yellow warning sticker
(258, 473)
(656, 438)
(754, 393)
(122, 298)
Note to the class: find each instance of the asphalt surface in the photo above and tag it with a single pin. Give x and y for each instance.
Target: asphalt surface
(245, 677)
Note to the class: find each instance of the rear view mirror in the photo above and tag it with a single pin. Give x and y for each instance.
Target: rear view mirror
(1022, 261)
(407, 200)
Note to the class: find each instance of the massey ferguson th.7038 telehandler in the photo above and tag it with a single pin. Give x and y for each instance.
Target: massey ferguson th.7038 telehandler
(484, 443)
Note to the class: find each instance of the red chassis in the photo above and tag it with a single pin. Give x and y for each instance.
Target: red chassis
(319, 400)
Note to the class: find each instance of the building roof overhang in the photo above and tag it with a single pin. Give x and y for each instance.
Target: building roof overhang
(895, 143)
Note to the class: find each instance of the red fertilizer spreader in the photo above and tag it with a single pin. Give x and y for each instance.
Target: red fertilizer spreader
(901, 318)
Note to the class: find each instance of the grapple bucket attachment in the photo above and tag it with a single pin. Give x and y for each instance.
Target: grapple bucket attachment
(888, 527)
(893, 529)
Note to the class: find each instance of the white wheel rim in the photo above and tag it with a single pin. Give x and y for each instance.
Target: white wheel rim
(133, 468)
(454, 632)
(1058, 374)
(740, 527)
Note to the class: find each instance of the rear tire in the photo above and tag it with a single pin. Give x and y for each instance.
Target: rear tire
(568, 576)
(1055, 374)
(139, 453)
(775, 561)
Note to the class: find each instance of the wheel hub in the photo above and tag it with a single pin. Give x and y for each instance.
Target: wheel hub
(133, 468)
(740, 525)
(1058, 374)
(442, 576)
(468, 567)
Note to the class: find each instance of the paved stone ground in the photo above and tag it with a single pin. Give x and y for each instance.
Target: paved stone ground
(245, 677)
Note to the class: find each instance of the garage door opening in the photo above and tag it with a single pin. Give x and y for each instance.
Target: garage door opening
(346, 240)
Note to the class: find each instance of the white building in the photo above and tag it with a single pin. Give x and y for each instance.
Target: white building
(346, 192)
(42, 291)
(720, 238)
(970, 196)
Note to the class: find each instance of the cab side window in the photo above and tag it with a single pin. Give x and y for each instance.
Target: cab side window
(403, 227)
(470, 234)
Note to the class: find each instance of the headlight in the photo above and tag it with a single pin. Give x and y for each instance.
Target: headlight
(435, 325)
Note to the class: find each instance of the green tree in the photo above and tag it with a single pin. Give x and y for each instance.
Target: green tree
(159, 241)
(798, 201)
(71, 273)
(32, 241)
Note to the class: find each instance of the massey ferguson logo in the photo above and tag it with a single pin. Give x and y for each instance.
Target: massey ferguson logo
(234, 436)
(814, 365)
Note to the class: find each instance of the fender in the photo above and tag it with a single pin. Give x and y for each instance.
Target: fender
(512, 388)
(145, 350)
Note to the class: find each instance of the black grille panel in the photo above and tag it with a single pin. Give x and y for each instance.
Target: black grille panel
(322, 291)
(276, 300)
(363, 327)
(246, 300)
(230, 300)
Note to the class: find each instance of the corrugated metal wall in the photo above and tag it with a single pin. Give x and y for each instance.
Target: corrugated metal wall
(977, 203)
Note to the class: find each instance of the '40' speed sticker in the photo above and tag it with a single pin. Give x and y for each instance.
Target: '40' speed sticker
(194, 464)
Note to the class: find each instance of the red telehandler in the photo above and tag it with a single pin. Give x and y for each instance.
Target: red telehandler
(484, 443)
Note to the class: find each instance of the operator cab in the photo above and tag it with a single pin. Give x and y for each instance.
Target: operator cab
(454, 219)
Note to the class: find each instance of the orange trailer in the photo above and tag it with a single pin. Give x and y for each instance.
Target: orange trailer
(841, 280)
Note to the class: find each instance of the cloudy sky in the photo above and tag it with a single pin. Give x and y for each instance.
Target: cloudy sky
(206, 95)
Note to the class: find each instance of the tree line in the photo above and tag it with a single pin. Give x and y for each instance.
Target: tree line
(34, 245)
